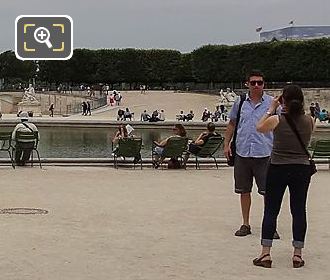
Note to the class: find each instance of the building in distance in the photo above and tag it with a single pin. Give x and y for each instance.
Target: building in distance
(296, 33)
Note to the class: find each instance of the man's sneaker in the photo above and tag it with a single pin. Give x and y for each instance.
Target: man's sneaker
(276, 235)
(243, 231)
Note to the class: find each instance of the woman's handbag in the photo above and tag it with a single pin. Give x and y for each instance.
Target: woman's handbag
(312, 164)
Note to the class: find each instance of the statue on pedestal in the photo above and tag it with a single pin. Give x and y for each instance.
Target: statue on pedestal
(230, 96)
(227, 98)
(29, 102)
(29, 95)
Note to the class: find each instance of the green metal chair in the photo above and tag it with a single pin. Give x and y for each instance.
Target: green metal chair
(6, 145)
(128, 147)
(174, 148)
(211, 146)
(320, 149)
(22, 136)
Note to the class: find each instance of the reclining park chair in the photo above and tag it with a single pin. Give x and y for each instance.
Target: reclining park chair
(174, 148)
(6, 146)
(208, 150)
(30, 137)
(128, 147)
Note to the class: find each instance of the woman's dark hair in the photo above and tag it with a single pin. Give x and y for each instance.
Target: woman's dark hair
(123, 127)
(211, 127)
(181, 129)
(294, 100)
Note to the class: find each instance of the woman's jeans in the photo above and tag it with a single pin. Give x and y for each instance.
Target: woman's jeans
(297, 178)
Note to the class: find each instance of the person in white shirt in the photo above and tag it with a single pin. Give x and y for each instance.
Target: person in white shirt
(23, 149)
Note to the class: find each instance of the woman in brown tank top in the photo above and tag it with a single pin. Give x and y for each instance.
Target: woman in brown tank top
(289, 166)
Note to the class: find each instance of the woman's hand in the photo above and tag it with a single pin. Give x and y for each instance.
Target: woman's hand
(275, 103)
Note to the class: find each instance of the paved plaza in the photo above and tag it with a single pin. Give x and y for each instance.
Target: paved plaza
(151, 224)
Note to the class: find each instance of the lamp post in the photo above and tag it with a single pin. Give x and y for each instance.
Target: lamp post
(291, 23)
(258, 29)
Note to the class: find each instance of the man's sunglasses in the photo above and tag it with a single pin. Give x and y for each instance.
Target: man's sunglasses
(259, 83)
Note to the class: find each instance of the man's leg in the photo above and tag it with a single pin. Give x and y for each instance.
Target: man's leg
(18, 155)
(243, 185)
(27, 150)
(245, 208)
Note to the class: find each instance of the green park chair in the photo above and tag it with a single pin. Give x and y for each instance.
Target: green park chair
(128, 148)
(29, 136)
(174, 148)
(320, 149)
(209, 149)
(6, 145)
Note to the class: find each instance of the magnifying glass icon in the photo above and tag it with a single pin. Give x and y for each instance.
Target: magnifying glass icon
(42, 35)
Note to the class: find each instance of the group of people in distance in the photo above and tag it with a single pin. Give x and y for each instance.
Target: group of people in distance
(316, 112)
(86, 108)
(220, 114)
(124, 115)
(271, 139)
(185, 117)
(156, 116)
(115, 98)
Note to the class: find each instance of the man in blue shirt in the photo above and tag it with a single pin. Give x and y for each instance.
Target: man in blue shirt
(253, 149)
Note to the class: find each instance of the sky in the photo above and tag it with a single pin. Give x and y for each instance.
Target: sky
(182, 25)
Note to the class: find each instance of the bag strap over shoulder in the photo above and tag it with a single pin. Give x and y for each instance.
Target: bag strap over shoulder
(238, 116)
(29, 128)
(294, 129)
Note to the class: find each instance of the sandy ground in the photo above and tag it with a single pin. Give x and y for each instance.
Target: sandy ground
(171, 102)
(150, 224)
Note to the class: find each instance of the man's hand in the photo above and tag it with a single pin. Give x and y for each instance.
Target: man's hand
(227, 151)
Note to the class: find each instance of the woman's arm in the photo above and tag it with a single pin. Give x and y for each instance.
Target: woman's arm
(199, 140)
(116, 137)
(269, 121)
(163, 143)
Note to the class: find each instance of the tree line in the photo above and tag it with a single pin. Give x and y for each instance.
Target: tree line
(281, 61)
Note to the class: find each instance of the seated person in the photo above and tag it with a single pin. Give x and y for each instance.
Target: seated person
(145, 116)
(23, 150)
(120, 134)
(196, 146)
(179, 131)
(216, 115)
(323, 116)
(223, 111)
(127, 115)
(154, 116)
(120, 115)
(161, 115)
(181, 116)
(189, 116)
(206, 115)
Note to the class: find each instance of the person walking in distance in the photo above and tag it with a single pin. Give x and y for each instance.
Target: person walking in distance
(253, 149)
(88, 111)
(51, 110)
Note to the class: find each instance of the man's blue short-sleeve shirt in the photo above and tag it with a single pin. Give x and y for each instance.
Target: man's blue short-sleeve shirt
(249, 142)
